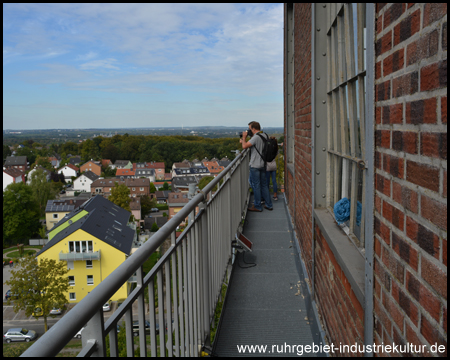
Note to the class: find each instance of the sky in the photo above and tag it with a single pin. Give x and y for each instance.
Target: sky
(76, 66)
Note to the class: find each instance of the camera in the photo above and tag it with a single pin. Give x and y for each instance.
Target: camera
(249, 133)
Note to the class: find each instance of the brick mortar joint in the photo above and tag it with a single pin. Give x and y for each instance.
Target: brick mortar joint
(409, 69)
(419, 95)
(442, 234)
(419, 129)
(419, 159)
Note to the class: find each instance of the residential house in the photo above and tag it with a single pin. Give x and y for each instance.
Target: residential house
(47, 173)
(213, 167)
(135, 207)
(106, 163)
(176, 202)
(146, 173)
(123, 174)
(54, 161)
(181, 165)
(162, 196)
(68, 171)
(122, 164)
(224, 162)
(55, 210)
(196, 163)
(181, 183)
(103, 186)
(16, 162)
(202, 171)
(159, 168)
(93, 241)
(12, 176)
(138, 187)
(91, 165)
(74, 160)
(150, 220)
(83, 182)
(365, 119)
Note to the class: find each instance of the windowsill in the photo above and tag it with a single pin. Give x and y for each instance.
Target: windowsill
(348, 257)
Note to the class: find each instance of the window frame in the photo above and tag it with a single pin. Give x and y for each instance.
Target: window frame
(346, 103)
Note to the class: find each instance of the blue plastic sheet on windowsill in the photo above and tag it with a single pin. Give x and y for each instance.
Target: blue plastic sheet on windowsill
(342, 211)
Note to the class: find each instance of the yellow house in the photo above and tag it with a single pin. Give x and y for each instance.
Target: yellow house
(93, 240)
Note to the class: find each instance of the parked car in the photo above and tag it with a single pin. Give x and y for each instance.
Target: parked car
(19, 334)
(107, 306)
(55, 311)
(9, 294)
(147, 328)
(62, 192)
(154, 210)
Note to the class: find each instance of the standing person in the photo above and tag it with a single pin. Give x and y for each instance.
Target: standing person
(257, 168)
(271, 172)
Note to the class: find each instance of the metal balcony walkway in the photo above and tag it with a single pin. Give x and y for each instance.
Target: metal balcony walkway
(267, 304)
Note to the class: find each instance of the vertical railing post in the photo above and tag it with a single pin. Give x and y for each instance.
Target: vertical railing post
(204, 251)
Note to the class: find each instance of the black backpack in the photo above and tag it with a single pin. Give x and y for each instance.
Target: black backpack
(270, 149)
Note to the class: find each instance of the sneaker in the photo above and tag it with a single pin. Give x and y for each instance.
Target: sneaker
(275, 198)
(268, 208)
(254, 209)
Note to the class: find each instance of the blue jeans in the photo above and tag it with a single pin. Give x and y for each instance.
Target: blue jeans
(272, 174)
(260, 188)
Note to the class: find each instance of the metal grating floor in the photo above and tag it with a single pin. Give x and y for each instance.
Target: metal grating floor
(267, 304)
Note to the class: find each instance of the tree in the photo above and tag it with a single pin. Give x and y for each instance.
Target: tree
(120, 195)
(154, 228)
(165, 186)
(147, 204)
(39, 283)
(152, 188)
(44, 162)
(20, 213)
(42, 189)
(42, 232)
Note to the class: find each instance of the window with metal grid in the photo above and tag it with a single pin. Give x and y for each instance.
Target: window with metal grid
(346, 84)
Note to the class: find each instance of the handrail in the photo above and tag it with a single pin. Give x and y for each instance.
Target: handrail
(89, 309)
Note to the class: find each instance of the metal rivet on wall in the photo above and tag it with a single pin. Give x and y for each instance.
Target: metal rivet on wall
(324, 5)
(318, 172)
(318, 29)
(318, 78)
(324, 54)
(324, 149)
(324, 102)
(323, 195)
(318, 125)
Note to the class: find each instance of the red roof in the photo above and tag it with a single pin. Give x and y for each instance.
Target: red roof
(122, 172)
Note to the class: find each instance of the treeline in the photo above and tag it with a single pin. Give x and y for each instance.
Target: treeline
(139, 148)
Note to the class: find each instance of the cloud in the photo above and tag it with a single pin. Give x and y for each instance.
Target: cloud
(89, 56)
(102, 64)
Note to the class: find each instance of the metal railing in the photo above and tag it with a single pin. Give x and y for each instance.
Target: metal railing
(183, 286)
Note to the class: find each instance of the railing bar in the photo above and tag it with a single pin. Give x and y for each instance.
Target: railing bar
(129, 332)
(152, 317)
(186, 302)
(169, 315)
(141, 314)
(162, 328)
(175, 299)
(190, 303)
(181, 306)
(195, 287)
(113, 345)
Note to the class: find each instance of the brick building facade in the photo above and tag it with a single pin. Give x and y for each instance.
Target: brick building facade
(365, 90)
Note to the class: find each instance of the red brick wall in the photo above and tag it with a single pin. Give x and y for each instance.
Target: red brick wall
(302, 126)
(410, 262)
